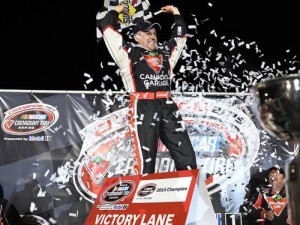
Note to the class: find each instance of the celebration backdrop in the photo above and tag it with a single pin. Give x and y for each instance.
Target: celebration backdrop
(58, 147)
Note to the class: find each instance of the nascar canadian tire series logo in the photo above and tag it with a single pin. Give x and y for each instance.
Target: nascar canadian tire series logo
(29, 119)
(146, 190)
(224, 137)
(117, 192)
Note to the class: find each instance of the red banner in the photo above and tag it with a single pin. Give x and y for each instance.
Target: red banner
(160, 199)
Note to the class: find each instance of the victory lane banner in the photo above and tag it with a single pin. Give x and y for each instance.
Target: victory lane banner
(160, 199)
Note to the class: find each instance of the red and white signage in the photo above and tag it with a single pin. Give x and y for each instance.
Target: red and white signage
(171, 198)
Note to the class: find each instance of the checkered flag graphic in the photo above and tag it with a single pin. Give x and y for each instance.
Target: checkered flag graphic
(137, 9)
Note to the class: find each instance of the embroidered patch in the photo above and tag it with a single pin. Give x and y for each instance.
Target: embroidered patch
(277, 206)
(155, 62)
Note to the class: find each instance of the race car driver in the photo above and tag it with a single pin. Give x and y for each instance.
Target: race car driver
(146, 71)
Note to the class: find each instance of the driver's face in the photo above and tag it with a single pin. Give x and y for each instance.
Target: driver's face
(147, 39)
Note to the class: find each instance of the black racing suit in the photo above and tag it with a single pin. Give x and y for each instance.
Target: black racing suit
(153, 114)
(265, 200)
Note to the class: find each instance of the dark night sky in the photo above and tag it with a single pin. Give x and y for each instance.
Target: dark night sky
(50, 45)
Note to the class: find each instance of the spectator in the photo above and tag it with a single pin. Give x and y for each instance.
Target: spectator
(269, 203)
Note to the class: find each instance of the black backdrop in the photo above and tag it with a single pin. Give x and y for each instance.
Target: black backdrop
(51, 44)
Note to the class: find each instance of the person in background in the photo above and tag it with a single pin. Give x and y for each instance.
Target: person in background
(269, 203)
(256, 180)
(9, 215)
(146, 71)
(1, 215)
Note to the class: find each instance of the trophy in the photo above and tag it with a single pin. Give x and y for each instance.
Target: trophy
(278, 109)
